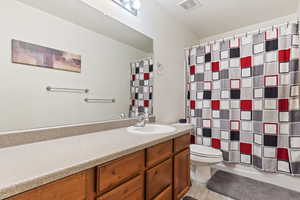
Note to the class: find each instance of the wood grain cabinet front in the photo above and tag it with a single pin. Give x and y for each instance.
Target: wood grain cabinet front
(159, 153)
(119, 171)
(158, 178)
(165, 195)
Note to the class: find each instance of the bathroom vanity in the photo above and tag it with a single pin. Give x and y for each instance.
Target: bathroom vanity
(157, 170)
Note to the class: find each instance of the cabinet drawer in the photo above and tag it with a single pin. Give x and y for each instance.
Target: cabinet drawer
(118, 171)
(131, 190)
(158, 178)
(159, 152)
(165, 195)
(182, 142)
(69, 188)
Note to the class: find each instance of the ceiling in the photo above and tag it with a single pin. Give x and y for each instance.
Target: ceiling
(219, 16)
(76, 11)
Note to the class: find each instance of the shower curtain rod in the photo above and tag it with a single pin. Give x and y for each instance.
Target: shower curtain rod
(244, 34)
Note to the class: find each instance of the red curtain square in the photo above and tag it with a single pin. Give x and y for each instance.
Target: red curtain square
(146, 76)
(246, 148)
(193, 104)
(284, 55)
(193, 69)
(215, 66)
(282, 154)
(215, 104)
(146, 103)
(133, 77)
(246, 62)
(216, 143)
(132, 102)
(283, 105)
(246, 104)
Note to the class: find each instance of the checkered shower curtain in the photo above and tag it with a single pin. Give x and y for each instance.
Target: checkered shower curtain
(141, 87)
(243, 98)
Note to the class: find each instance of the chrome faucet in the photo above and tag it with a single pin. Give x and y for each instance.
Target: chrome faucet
(142, 119)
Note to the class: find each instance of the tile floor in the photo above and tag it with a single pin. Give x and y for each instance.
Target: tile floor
(200, 192)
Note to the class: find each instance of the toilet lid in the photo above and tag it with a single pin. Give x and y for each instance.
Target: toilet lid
(200, 150)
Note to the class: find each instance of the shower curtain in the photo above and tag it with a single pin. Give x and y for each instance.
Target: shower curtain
(243, 98)
(141, 87)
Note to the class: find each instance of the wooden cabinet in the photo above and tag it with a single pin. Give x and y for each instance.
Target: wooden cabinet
(118, 171)
(158, 178)
(160, 172)
(181, 173)
(69, 188)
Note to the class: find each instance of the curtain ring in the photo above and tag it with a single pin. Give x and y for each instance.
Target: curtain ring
(246, 34)
(273, 28)
(259, 31)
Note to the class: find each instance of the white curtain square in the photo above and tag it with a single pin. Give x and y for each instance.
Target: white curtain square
(216, 114)
(258, 60)
(257, 150)
(199, 140)
(270, 104)
(225, 135)
(271, 68)
(295, 156)
(224, 65)
(234, 43)
(295, 53)
(258, 93)
(215, 76)
(271, 81)
(272, 34)
(216, 123)
(194, 121)
(284, 129)
(199, 104)
(207, 85)
(259, 48)
(193, 86)
(192, 78)
(235, 84)
(246, 126)
(294, 104)
(246, 82)
(235, 62)
(246, 115)
(199, 95)
(206, 123)
(271, 56)
(224, 105)
(283, 166)
(206, 141)
(224, 145)
(225, 94)
(199, 131)
(284, 116)
(295, 40)
(192, 111)
(234, 104)
(269, 152)
(208, 66)
(270, 129)
(206, 104)
(207, 48)
(295, 91)
(216, 85)
(295, 142)
(200, 59)
(246, 40)
(216, 46)
(235, 125)
(246, 159)
(234, 146)
(200, 68)
(246, 72)
(258, 139)
(224, 55)
(284, 79)
(284, 67)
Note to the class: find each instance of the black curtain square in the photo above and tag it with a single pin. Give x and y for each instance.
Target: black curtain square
(206, 132)
(234, 135)
(270, 140)
(271, 92)
(235, 94)
(272, 45)
(208, 57)
(235, 53)
(207, 95)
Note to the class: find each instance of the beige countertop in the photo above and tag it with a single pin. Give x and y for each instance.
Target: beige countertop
(31, 165)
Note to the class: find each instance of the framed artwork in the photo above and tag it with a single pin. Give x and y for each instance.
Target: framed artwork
(35, 55)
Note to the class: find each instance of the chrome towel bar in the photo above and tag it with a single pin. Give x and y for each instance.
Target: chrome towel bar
(99, 100)
(70, 90)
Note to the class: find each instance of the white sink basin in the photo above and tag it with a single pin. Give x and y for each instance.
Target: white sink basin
(151, 129)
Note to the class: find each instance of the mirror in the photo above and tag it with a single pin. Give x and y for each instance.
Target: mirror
(61, 66)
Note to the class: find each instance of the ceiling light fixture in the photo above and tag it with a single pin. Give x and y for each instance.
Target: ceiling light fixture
(132, 6)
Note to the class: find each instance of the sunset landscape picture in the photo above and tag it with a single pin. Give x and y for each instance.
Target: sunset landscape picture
(35, 55)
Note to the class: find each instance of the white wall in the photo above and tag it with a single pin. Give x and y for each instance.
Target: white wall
(24, 100)
(170, 37)
(251, 28)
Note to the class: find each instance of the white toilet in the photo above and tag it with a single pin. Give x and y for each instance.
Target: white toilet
(202, 158)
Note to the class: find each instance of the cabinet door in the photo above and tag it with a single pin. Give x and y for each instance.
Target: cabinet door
(181, 173)
(165, 195)
(158, 178)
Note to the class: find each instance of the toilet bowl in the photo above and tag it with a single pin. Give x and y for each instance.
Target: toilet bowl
(202, 158)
